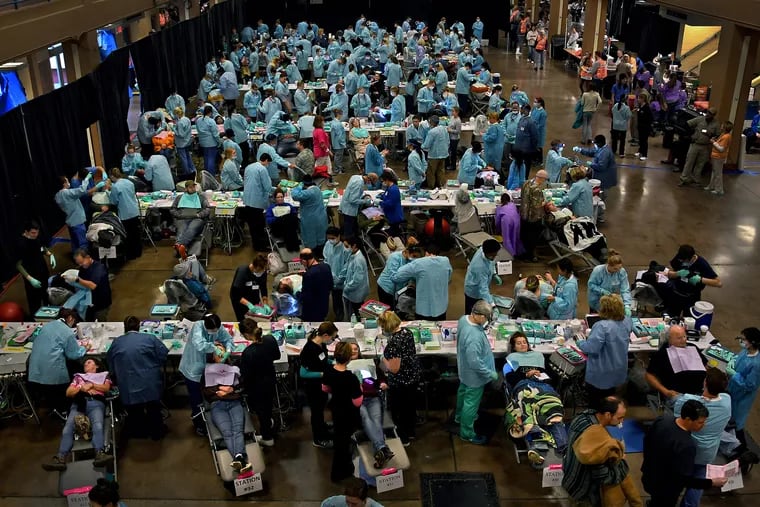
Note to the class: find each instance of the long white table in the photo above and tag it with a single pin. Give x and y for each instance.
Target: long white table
(97, 337)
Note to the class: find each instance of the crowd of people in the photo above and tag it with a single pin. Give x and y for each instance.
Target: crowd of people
(362, 66)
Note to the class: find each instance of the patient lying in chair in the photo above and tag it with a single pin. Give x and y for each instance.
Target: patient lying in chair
(373, 386)
(221, 388)
(534, 409)
(86, 416)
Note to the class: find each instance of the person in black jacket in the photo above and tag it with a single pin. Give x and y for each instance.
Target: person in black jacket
(258, 376)
(316, 288)
(644, 120)
(669, 453)
(249, 287)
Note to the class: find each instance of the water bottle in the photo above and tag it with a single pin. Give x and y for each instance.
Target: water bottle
(353, 320)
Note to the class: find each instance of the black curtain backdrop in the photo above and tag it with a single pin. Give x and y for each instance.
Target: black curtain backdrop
(112, 81)
(646, 33)
(47, 138)
(175, 58)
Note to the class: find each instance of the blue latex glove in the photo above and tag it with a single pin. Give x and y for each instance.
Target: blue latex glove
(250, 306)
(604, 292)
(682, 273)
(730, 371)
(577, 149)
(225, 356)
(494, 375)
(100, 185)
(218, 352)
(694, 280)
(497, 280)
(34, 282)
(53, 264)
(627, 312)
(87, 179)
(588, 163)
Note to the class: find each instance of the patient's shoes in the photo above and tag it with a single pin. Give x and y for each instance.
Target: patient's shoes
(238, 462)
(181, 250)
(102, 459)
(380, 459)
(57, 464)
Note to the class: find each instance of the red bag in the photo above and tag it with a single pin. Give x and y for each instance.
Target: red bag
(321, 171)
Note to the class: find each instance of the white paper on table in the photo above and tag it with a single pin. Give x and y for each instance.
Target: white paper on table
(731, 471)
(685, 359)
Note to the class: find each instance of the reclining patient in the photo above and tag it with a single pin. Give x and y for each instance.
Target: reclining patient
(86, 415)
(221, 388)
(534, 409)
(373, 385)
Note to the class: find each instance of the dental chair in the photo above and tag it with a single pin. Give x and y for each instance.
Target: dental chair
(219, 453)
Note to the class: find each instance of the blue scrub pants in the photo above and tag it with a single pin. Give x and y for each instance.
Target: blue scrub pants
(186, 160)
(196, 398)
(209, 159)
(468, 402)
(96, 412)
(78, 237)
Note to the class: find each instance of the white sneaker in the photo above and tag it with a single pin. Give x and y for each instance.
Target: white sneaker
(637, 154)
(642, 158)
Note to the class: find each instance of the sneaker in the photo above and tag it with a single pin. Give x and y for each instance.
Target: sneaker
(406, 443)
(323, 444)
(535, 457)
(637, 154)
(238, 462)
(102, 459)
(380, 459)
(181, 250)
(332, 184)
(716, 192)
(477, 440)
(642, 158)
(388, 453)
(247, 467)
(707, 189)
(265, 442)
(57, 464)
(210, 281)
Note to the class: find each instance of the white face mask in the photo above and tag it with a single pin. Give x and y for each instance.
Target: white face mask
(257, 274)
(333, 241)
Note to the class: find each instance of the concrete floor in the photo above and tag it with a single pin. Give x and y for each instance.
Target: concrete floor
(648, 217)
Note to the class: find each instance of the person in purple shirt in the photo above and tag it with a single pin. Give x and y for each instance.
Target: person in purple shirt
(508, 223)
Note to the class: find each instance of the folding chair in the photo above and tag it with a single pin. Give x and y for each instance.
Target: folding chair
(372, 251)
(479, 104)
(357, 161)
(469, 235)
(209, 181)
(563, 250)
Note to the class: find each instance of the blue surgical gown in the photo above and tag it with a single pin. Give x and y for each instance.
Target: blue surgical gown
(199, 344)
(55, 343)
